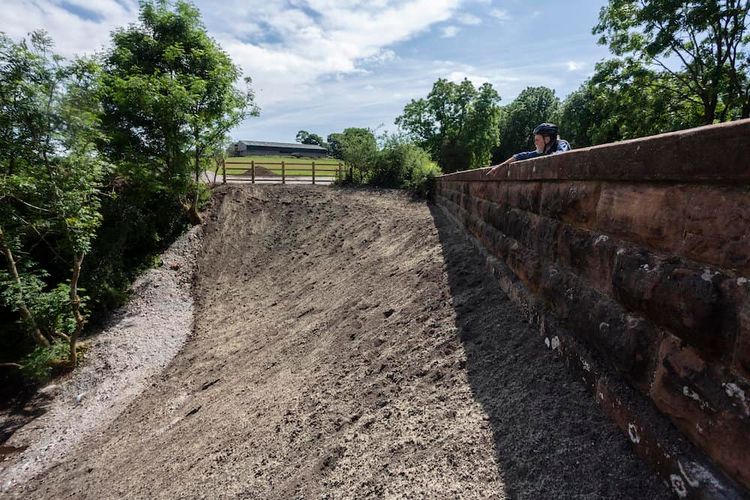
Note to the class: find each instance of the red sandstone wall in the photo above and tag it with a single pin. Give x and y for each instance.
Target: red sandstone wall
(634, 257)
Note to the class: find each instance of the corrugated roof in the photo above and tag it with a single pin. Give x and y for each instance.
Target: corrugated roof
(295, 145)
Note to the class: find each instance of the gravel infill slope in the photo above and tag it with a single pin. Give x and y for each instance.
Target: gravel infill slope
(137, 342)
(349, 344)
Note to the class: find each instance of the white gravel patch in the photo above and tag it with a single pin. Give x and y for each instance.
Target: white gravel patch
(137, 343)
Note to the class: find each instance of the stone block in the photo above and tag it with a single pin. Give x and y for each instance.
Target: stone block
(711, 411)
(626, 340)
(590, 255)
(686, 299)
(571, 202)
(741, 358)
(686, 220)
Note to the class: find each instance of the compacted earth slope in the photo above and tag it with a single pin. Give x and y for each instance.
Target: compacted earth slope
(349, 344)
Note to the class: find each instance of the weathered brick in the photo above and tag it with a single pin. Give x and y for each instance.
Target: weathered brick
(591, 255)
(545, 238)
(713, 413)
(677, 295)
(741, 358)
(686, 220)
(571, 202)
(626, 340)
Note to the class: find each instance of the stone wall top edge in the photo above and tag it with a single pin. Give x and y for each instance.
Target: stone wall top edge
(713, 153)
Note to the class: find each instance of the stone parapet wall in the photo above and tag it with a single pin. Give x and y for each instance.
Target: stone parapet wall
(634, 258)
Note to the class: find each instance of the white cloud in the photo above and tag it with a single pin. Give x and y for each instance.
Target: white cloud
(500, 14)
(72, 33)
(322, 38)
(381, 57)
(284, 46)
(449, 31)
(468, 19)
(459, 76)
(320, 65)
(574, 65)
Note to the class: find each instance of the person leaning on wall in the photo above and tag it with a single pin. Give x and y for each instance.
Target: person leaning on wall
(547, 142)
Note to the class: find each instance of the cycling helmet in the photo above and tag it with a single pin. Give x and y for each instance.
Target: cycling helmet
(548, 129)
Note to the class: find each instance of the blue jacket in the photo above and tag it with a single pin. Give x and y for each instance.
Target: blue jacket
(562, 146)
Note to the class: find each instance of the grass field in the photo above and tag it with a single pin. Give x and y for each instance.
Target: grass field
(294, 166)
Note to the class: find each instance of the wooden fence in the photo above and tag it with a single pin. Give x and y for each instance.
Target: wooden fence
(325, 173)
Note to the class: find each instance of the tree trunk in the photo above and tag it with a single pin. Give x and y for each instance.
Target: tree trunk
(195, 217)
(75, 304)
(709, 111)
(26, 314)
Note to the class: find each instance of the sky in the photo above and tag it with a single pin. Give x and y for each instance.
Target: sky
(324, 65)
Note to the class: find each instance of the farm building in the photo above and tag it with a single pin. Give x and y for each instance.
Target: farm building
(255, 148)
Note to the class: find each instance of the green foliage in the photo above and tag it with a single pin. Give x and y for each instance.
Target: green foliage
(52, 310)
(422, 179)
(358, 149)
(456, 123)
(334, 146)
(305, 137)
(623, 103)
(51, 176)
(697, 51)
(138, 223)
(396, 162)
(169, 99)
(533, 106)
(38, 365)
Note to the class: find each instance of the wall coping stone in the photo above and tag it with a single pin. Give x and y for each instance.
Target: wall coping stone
(708, 154)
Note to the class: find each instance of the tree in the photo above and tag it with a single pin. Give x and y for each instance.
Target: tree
(698, 50)
(305, 137)
(334, 145)
(358, 149)
(534, 105)
(400, 163)
(50, 179)
(623, 103)
(169, 94)
(456, 123)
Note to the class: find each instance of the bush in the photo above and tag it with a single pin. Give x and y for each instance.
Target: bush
(39, 364)
(402, 164)
(422, 181)
(139, 222)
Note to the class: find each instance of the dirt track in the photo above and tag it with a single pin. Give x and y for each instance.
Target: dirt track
(349, 344)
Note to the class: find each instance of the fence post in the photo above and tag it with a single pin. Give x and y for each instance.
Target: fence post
(223, 171)
(341, 178)
(252, 171)
(313, 167)
(283, 172)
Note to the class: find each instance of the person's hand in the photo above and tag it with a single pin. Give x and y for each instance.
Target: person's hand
(491, 172)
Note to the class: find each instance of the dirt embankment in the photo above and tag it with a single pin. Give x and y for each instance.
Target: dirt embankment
(349, 344)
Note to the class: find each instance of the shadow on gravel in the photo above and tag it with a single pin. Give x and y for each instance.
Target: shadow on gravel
(19, 405)
(551, 439)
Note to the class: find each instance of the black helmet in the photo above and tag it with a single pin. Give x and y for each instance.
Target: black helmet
(548, 129)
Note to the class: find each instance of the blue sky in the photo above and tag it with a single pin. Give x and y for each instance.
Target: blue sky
(324, 65)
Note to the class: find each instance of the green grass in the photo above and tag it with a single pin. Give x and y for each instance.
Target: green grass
(294, 167)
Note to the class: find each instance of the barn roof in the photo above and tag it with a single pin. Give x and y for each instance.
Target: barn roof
(296, 145)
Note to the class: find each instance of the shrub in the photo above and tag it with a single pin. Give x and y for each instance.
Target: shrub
(39, 364)
(401, 164)
(422, 179)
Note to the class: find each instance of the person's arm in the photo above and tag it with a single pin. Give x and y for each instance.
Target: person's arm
(506, 162)
(525, 155)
